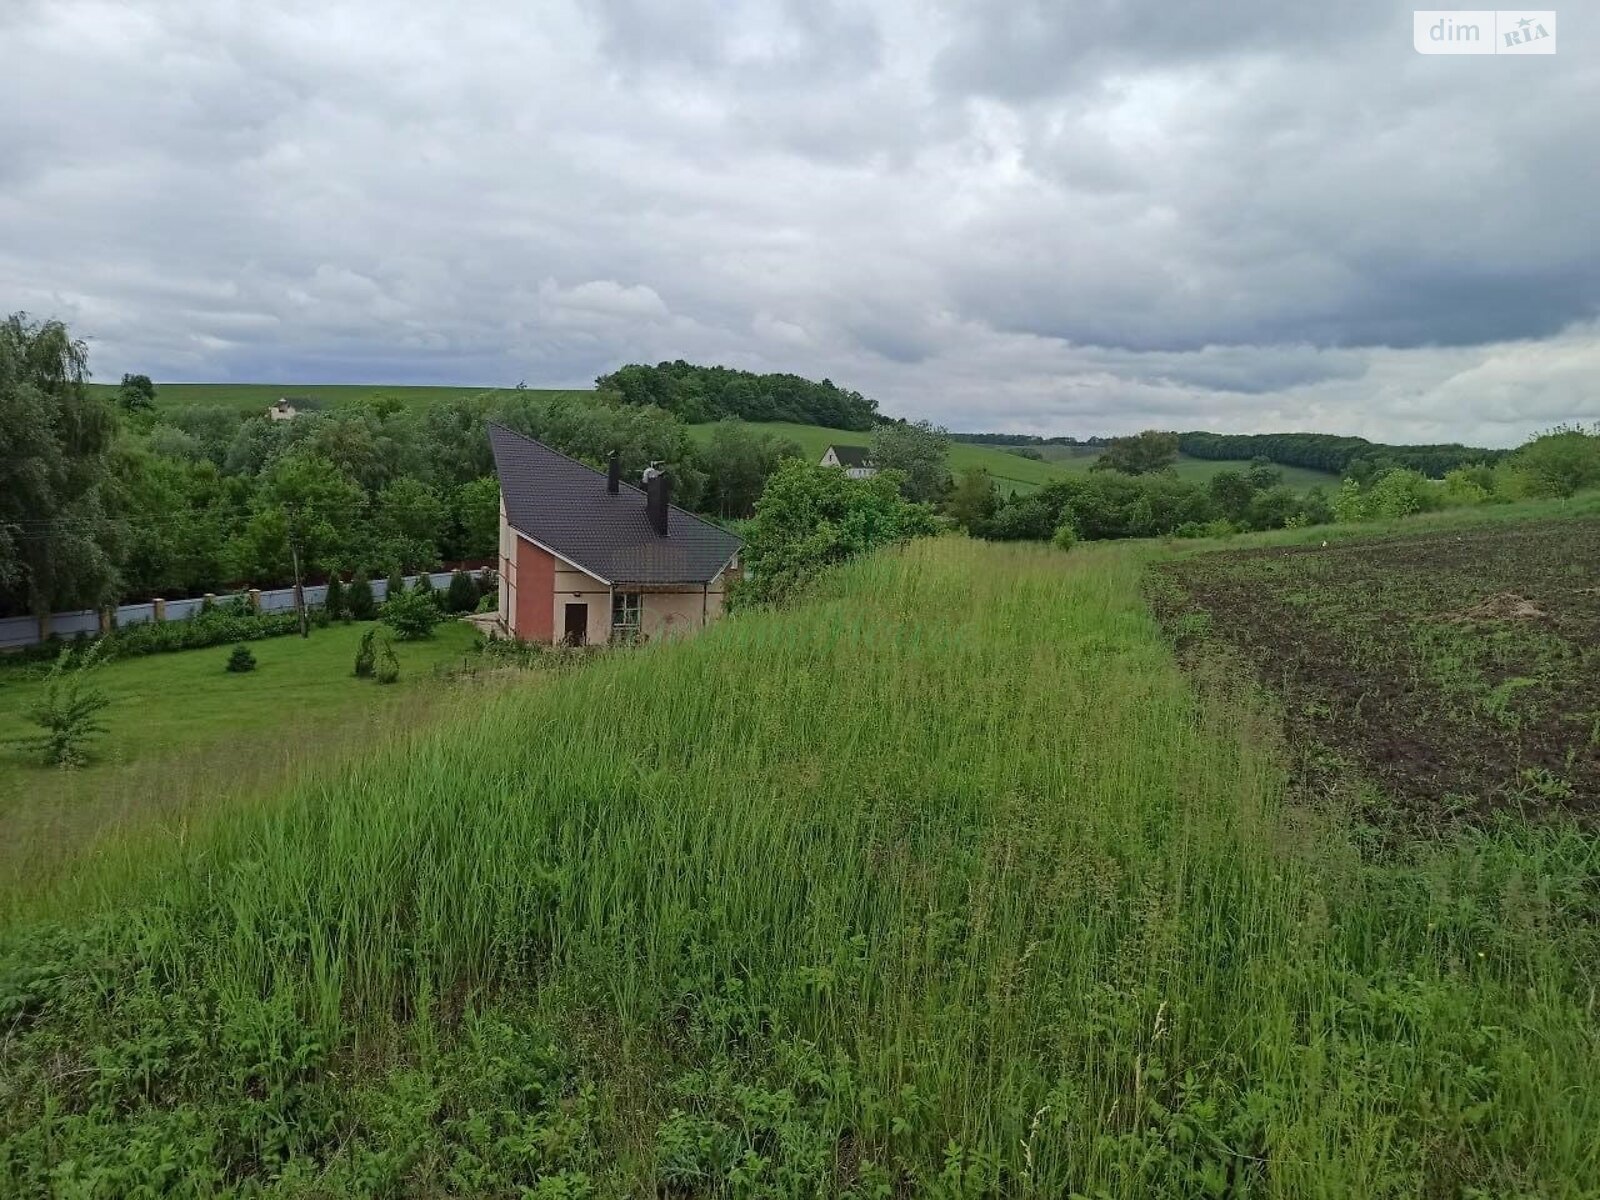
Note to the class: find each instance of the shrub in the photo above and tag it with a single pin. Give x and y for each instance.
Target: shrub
(424, 587)
(1274, 508)
(511, 652)
(462, 595)
(68, 711)
(1349, 505)
(335, 604)
(366, 654)
(241, 659)
(810, 518)
(1219, 528)
(359, 599)
(387, 667)
(1560, 462)
(217, 627)
(489, 602)
(1401, 492)
(1065, 538)
(396, 588)
(1315, 507)
(411, 615)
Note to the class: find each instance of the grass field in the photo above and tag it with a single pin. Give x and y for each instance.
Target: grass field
(172, 715)
(1013, 472)
(1075, 459)
(1010, 471)
(947, 883)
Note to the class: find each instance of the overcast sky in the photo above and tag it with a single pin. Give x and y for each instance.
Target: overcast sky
(1046, 216)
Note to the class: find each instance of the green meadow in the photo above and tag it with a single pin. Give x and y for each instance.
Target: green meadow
(179, 727)
(1014, 472)
(946, 882)
(1081, 458)
(1010, 471)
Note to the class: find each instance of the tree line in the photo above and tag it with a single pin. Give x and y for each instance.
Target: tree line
(697, 394)
(110, 498)
(1335, 454)
(103, 499)
(1025, 439)
(1132, 493)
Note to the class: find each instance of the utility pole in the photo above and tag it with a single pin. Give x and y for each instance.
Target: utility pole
(294, 558)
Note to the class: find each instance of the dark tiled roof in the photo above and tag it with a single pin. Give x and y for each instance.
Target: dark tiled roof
(852, 456)
(562, 504)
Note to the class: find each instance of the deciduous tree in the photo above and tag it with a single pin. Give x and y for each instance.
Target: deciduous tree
(973, 500)
(60, 539)
(136, 394)
(1140, 454)
(918, 451)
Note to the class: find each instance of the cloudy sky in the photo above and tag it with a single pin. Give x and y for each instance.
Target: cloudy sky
(1049, 216)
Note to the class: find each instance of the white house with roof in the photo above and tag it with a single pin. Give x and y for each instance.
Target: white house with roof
(855, 460)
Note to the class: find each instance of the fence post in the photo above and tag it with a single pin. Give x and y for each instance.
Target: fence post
(208, 601)
(44, 627)
(108, 621)
(255, 599)
(158, 609)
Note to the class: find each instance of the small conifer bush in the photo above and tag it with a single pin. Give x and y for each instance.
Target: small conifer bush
(359, 600)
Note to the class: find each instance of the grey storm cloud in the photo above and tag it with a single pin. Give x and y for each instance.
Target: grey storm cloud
(1045, 217)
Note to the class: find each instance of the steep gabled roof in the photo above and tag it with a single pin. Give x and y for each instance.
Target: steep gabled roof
(852, 456)
(564, 506)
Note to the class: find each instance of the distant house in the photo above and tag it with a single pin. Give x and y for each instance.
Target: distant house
(856, 461)
(587, 558)
(282, 409)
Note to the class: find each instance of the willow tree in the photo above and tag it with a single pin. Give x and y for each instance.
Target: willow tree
(60, 540)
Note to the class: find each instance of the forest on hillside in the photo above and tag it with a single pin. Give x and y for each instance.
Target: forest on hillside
(1339, 455)
(1333, 453)
(697, 394)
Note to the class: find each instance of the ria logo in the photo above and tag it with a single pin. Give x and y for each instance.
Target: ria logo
(1486, 31)
(1529, 30)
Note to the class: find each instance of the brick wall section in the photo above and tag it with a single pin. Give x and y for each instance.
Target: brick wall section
(534, 617)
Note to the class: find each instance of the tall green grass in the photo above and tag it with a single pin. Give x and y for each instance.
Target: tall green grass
(945, 883)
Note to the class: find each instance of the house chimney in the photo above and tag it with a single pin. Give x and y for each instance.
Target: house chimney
(613, 473)
(657, 495)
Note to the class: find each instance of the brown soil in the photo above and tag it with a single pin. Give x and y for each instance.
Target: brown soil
(1457, 671)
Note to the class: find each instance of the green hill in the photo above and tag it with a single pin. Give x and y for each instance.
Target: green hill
(253, 398)
(946, 882)
(1012, 472)
(1204, 468)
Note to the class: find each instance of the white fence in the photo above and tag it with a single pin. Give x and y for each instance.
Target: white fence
(17, 632)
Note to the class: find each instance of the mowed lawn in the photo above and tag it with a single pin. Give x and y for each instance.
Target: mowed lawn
(162, 702)
(181, 730)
